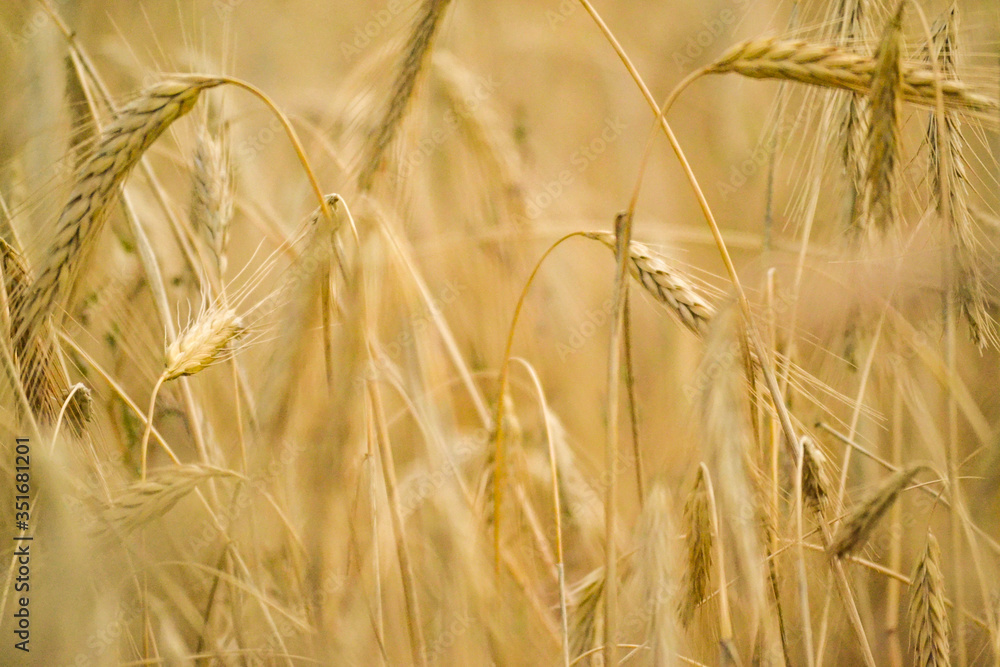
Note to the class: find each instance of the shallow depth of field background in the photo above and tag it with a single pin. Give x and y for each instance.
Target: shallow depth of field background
(569, 127)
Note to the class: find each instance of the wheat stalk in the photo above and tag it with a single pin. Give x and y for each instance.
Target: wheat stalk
(858, 524)
(832, 66)
(667, 285)
(928, 612)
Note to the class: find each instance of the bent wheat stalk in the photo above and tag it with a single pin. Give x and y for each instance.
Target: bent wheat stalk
(197, 347)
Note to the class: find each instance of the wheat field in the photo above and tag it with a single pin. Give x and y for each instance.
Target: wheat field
(454, 332)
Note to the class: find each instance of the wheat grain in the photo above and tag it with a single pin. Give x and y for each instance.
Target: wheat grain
(831, 66)
(928, 613)
(667, 285)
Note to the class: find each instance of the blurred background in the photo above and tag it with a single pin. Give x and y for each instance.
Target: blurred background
(524, 127)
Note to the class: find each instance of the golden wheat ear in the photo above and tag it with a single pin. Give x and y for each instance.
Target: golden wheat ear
(202, 343)
(947, 168)
(859, 523)
(928, 612)
(698, 571)
(668, 286)
(885, 106)
(95, 189)
(831, 66)
(417, 48)
(212, 191)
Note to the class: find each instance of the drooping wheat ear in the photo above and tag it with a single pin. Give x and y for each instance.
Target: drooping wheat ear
(667, 285)
(698, 571)
(858, 524)
(815, 479)
(202, 343)
(928, 613)
(586, 620)
(969, 281)
(417, 49)
(145, 501)
(212, 191)
(32, 353)
(831, 66)
(95, 190)
(885, 103)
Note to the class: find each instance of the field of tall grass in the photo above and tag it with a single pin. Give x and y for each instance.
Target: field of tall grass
(454, 332)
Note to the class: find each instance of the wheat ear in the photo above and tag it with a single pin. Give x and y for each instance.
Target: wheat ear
(831, 66)
(928, 612)
(120, 146)
(698, 572)
(32, 354)
(885, 104)
(667, 285)
(854, 124)
(196, 348)
(656, 567)
(202, 343)
(858, 524)
(144, 501)
(417, 49)
(212, 192)
(815, 478)
(970, 283)
(586, 621)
